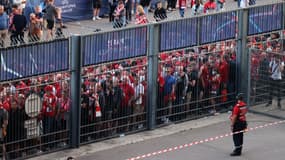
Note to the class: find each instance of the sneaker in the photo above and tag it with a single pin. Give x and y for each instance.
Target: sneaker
(94, 18)
(63, 26)
(98, 18)
(166, 120)
(268, 104)
(235, 154)
(140, 126)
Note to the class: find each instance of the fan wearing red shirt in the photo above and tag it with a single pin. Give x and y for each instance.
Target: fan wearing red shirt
(224, 70)
(210, 6)
(7, 103)
(204, 79)
(49, 110)
(128, 96)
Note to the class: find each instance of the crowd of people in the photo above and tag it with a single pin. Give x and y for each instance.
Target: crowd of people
(33, 20)
(19, 22)
(121, 12)
(191, 82)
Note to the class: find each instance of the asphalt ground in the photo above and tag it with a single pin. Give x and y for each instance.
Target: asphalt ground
(260, 144)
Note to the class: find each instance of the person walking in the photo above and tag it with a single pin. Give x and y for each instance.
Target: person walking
(3, 26)
(238, 124)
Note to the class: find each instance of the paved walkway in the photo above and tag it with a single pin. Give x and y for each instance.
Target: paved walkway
(175, 135)
(89, 26)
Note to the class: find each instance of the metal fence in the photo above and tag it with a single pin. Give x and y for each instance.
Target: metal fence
(267, 75)
(113, 99)
(69, 92)
(197, 83)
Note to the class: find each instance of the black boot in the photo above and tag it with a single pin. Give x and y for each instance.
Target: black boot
(236, 152)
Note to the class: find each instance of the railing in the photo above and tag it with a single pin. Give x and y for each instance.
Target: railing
(63, 89)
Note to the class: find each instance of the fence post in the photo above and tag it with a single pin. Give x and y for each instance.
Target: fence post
(243, 62)
(283, 27)
(152, 74)
(75, 91)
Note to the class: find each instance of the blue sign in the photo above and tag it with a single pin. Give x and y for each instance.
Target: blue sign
(178, 34)
(36, 59)
(111, 46)
(72, 10)
(218, 27)
(265, 19)
(75, 9)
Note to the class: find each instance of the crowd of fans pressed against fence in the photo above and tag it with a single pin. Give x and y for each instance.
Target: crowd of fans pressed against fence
(113, 99)
(192, 82)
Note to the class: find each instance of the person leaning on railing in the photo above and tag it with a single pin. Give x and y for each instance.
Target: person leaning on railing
(159, 13)
(18, 25)
(35, 28)
(140, 16)
(198, 7)
(119, 16)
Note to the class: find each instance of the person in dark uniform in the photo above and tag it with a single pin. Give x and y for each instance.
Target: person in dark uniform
(238, 123)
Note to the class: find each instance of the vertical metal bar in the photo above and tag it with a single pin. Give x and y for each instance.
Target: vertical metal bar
(199, 22)
(249, 77)
(152, 73)
(283, 27)
(243, 61)
(75, 90)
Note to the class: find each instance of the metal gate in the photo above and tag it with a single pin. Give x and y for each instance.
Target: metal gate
(35, 98)
(267, 74)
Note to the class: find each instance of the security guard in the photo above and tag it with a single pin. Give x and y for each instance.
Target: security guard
(238, 123)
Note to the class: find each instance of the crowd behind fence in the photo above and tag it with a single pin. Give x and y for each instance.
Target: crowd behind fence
(198, 78)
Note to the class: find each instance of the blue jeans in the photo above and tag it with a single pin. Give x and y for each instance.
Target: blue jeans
(238, 3)
(181, 11)
(145, 10)
(219, 5)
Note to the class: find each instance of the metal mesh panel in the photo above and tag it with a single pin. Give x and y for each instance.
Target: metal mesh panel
(113, 100)
(196, 82)
(38, 114)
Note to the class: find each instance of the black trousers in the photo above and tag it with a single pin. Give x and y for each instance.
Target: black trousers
(275, 90)
(238, 138)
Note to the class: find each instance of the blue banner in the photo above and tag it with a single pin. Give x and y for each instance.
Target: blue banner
(265, 19)
(30, 60)
(75, 9)
(111, 46)
(72, 10)
(178, 34)
(218, 27)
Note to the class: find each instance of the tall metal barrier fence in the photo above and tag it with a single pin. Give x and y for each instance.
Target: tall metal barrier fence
(69, 92)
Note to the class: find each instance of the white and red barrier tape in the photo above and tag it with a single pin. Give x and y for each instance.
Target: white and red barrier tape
(203, 141)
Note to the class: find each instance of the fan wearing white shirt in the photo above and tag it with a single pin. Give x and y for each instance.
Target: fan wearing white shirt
(138, 102)
(276, 66)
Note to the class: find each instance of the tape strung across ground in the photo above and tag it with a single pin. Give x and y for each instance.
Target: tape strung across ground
(203, 141)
